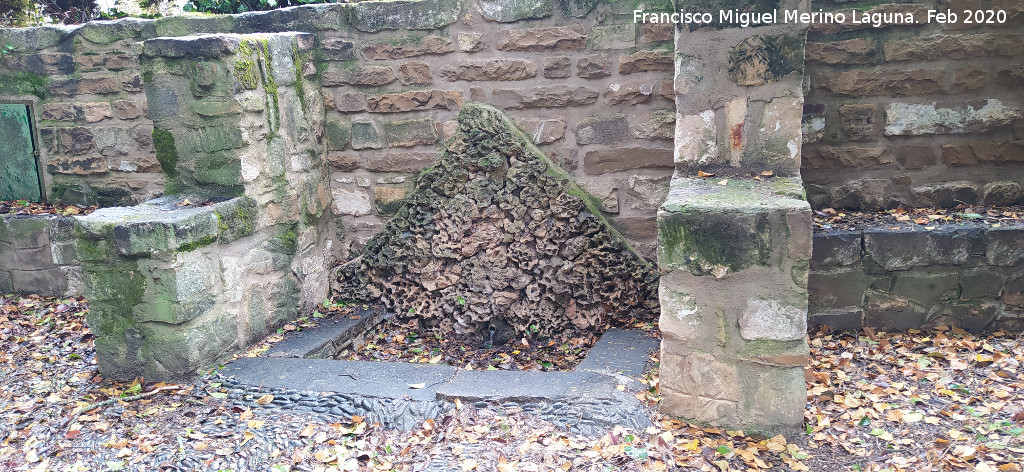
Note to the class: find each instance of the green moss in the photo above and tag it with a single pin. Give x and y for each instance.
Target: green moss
(192, 246)
(288, 241)
(166, 153)
(23, 83)
(298, 60)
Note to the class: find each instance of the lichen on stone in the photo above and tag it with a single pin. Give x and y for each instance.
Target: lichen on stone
(497, 233)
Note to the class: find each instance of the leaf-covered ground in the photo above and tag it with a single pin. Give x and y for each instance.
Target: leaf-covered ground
(918, 401)
(830, 219)
(25, 207)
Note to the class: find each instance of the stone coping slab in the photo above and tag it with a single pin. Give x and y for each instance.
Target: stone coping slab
(735, 195)
(402, 394)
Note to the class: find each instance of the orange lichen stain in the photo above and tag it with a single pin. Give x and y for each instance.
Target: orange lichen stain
(736, 135)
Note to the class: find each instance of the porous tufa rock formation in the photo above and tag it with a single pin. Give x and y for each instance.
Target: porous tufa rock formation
(496, 234)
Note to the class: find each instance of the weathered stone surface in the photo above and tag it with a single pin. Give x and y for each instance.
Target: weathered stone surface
(542, 131)
(1011, 77)
(490, 69)
(555, 38)
(359, 75)
(915, 156)
(594, 66)
(509, 11)
(350, 201)
(557, 67)
(1004, 246)
(646, 192)
(1003, 193)
(58, 111)
(335, 49)
(410, 132)
(601, 161)
(94, 111)
(969, 78)
(471, 42)
(98, 85)
(601, 129)
(366, 135)
(884, 82)
(349, 101)
(858, 121)
(903, 119)
(645, 61)
(907, 248)
(813, 123)
(841, 288)
(969, 154)
(399, 161)
(773, 320)
(660, 125)
(41, 63)
(415, 73)
(836, 248)
(411, 47)
(622, 36)
(954, 46)
(760, 60)
(850, 51)
(546, 96)
(946, 194)
(847, 156)
(887, 311)
(417, 100)
(656, 32)
(211, 46)
(842, 319)
(410, 14)
(864, 194)
(927, 286)
(628, 93)
(420, 269)
(126, 109)
(338, 135)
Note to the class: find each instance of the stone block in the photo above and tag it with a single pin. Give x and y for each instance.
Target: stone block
(903, 249)
(544, 96)
(542, 131)
(1004, 246)
(891, 312)
(25, 232)
(510, 11)
(408, 14)
(1013, 293)
(336, 49)
(594, 66)
(628, 93)
(915, 156)
(656, 32)
(557, 67)
(415, 73)
(864, 194)
(1003, 193)
(928, 286)
(554, 38)
(181, 351)
(858, 121)
(836, 248)
(646, 61)
(415, 100)
(840, 319)
(210, 46)
(981, 282)
(622, 36)
(58, 112)
(774, 320)
(338, 135)
(126, 110)
(601, 129)
(366, 135)
(398, 161)
(916, 119)
(974, 153)
(45, 282)
(945, 195)
(762, 59)
(850, 51)
(645, 192)
(883, 82)
(973, 317)
(471, 42)
(969, 78)
(409, 133)
(179, 291)
(954, 47)
(601, 161)
(490, 69)
(349, 101)
(349, 201)
(813, 123)
(370, 76)
(660, 125)
(408, 47)
(848, 156)
(839, 287)
(41, 63)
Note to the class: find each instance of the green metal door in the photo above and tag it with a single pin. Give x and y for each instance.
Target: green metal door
(19, 176)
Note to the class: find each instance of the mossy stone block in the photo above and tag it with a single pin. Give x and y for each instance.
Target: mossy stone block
(371, 17)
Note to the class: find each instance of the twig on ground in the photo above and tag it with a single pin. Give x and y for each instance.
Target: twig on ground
(110, 401)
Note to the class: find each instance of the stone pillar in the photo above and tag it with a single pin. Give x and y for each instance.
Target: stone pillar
(734, 236)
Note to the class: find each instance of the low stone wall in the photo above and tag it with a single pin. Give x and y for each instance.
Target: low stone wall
(37, 255)
(968, 276)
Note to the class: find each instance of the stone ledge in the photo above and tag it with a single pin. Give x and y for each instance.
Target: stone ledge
(328, 339)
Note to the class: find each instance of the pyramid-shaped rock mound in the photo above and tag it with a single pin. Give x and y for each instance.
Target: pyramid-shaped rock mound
(496, 235)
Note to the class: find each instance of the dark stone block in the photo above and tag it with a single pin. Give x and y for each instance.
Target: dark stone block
(837, 248)
(903, 249)
(840, 319)
(887, 311)
(837, 288)
(46, 283)
(982, 282)
(1013, 293)
(190, 47)
(974, 317)
(620, 352)
(1005, 246)
(928, 286)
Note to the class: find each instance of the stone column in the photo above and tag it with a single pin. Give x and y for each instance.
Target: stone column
(734, 236)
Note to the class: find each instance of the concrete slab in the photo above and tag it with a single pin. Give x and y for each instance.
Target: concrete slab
(366, 379)
(620, 352)
(329, 338)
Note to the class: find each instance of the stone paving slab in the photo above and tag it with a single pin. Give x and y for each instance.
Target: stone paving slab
(327, 339)
(502, 386)
(620, 352)
(369, 379)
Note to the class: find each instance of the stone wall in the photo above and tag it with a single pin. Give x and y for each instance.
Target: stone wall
(37, 255)
(967, 276)
(915, 114)
(592, 88)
